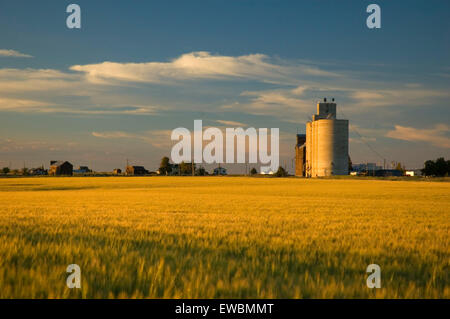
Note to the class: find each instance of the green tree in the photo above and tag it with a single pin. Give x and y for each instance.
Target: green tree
(281, 172)
(200, 171)
(165, 167)
(401, 168)
(186, 168)
(253, 171)
(5, 170)
(429, 168)
(439, 167)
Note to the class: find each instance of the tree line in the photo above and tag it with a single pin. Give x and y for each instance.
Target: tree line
(440, 167)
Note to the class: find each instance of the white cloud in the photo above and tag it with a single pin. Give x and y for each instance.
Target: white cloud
(21, 105)
(436, 136)
(39, 80)
(115, 134)
(13, 54)
(231, 123)
(406, 97)
(278, 98)
(197, 65)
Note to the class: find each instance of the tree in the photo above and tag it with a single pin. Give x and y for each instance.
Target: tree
(399, 167)
(281, 172)
(428, 169)
(200, 171)
(439, 167)
(24, 171)
(186, 168)
(253, 171)
(5, 170)
(165, 167)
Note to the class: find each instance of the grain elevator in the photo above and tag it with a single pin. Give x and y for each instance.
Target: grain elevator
(326, 145)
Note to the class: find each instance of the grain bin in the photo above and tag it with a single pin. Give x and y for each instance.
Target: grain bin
(326, 143)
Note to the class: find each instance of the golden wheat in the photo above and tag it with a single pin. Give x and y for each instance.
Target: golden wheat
(223, 237)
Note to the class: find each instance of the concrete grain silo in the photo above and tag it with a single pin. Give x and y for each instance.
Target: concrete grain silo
(326, 143)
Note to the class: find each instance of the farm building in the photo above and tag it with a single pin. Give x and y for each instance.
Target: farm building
(136, 170)
(220, 171)
(388, 172)
(60, 168)
(324, 150)
(300, 155)
(82, 170)
(117, 171)
(175, 169)
(38, 171)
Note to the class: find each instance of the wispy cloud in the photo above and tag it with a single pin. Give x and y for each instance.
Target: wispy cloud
(157, 138)
(21, 105)
(411, 96)
(198, 65)
(231, 123)
(436, 136)
(13, 54)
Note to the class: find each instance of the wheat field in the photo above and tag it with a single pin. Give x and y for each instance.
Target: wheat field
(223, 237)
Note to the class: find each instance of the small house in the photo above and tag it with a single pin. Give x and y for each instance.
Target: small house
(60, 168)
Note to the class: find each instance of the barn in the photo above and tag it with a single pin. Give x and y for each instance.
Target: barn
(136, 170)
(60, 168)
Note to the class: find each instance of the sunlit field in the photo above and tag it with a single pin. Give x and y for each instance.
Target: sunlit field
(223, 237)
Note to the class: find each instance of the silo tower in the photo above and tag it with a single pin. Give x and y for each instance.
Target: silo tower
(326, 142)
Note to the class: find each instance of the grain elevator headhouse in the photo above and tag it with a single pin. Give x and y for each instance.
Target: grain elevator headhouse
(326, 143)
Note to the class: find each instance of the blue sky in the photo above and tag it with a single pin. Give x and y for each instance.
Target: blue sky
(136, 70)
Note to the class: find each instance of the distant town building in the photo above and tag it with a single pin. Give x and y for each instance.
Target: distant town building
(60, 168)
(366, 167)
(117, 171)
(220, 171)
(175, 169)
(410, 173)
(417, 172)
(300, 155)
(136, 170)
(387, 172)
(38, 171)
(82, 170)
